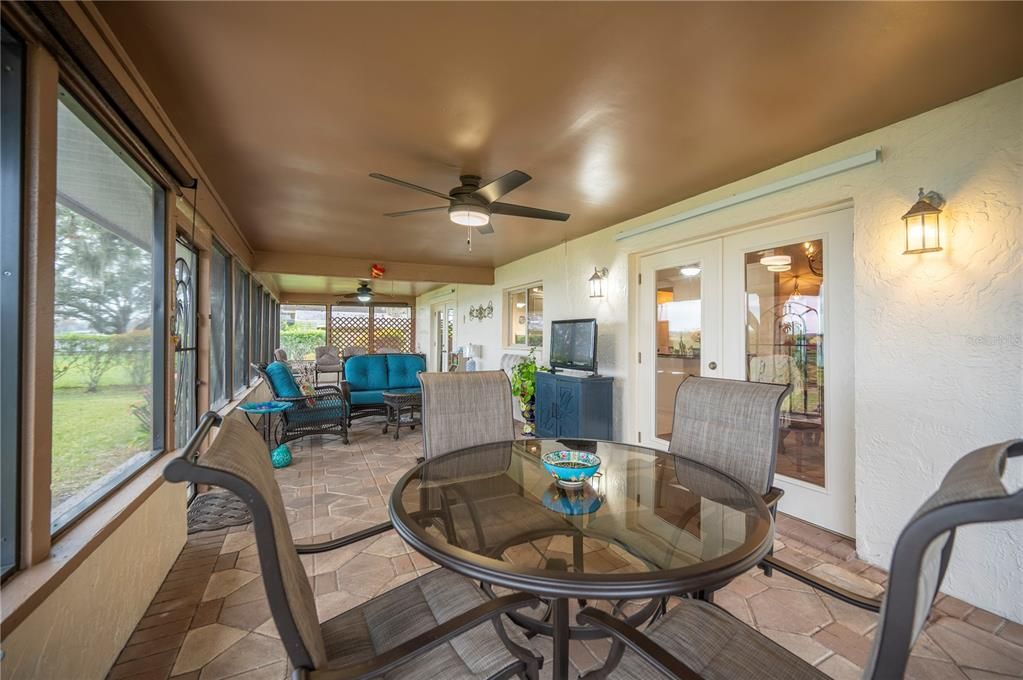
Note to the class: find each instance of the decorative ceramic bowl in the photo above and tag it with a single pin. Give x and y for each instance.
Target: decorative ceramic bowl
(571, 469)
(581, 501)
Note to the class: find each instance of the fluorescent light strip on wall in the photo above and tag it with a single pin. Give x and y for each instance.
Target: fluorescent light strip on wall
(859, 160)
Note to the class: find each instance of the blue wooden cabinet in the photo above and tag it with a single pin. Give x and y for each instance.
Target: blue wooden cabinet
(573, 406)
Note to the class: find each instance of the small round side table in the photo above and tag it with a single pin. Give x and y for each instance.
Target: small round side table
(280, 454)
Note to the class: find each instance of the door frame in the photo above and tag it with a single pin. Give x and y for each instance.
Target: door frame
(440, 305)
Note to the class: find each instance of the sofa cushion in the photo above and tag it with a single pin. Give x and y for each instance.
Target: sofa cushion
(403, 370)
(366, 372)
(371, 397)
(282, 381)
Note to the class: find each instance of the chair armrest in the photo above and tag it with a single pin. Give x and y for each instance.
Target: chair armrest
(772, 497)
(872, 604)
(334, 544)
(388, 661)
(651, 652)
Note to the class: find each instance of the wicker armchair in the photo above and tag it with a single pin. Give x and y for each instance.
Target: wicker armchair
(325, 411)
(440, 625)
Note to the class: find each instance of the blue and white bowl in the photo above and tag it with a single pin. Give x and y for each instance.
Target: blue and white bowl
(581, 501)
(571, 469)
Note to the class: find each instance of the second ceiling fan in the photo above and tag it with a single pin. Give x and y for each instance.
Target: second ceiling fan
(471, 205)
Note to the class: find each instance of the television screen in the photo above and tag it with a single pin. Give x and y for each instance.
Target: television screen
(574, 344)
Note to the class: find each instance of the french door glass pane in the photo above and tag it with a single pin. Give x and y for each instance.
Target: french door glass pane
(785, 344)
(105, 410)
(679, 324)
(535, 317)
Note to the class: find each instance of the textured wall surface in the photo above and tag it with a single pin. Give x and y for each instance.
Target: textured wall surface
(79, 630)
(939, 353)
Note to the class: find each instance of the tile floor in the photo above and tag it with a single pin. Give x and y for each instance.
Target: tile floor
(210, 618)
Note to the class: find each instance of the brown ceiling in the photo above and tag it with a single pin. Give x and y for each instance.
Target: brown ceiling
(335, 285)
(615, 109)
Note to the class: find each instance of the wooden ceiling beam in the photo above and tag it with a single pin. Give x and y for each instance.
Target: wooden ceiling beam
(327, 265)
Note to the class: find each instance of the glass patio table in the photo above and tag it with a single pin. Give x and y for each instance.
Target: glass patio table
(647, 525)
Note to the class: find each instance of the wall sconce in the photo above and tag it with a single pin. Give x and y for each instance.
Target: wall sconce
(598, 283)
(923, 228)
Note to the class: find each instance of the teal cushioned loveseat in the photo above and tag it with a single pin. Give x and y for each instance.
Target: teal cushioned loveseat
(368, 376)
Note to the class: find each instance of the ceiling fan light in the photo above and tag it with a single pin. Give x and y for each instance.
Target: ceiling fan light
(690, 270)
(469, 215)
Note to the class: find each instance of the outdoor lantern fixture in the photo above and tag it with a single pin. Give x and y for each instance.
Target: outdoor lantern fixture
(923, 232)
(598, 283)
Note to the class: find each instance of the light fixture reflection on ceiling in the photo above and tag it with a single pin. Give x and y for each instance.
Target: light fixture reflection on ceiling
(690, 270)
(776, 260)
(469, 215)
(778, 267)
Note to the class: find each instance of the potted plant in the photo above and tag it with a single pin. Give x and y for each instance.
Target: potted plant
(523, 380)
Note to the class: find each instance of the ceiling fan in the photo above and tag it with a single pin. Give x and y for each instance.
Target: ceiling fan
(362, 294)
(471, 205)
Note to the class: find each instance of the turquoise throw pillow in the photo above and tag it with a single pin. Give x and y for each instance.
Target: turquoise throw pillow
(282, 380)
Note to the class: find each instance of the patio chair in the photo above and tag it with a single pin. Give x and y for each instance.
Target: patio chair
(325, 411)
(440, 625)
(328, 360)
(698, 640)
(281, 355)
(732, 426)
(465, 409)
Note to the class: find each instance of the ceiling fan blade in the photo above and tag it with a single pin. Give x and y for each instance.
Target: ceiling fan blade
(502, 185)
(524, 211)
(409, 185)
(487, 228)
(415, 212)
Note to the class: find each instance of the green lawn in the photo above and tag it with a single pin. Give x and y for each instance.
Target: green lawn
(92, 434)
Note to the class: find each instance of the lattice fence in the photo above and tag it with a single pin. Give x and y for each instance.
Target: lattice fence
(372, 329)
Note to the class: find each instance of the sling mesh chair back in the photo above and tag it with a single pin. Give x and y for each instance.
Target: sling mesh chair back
(729, 425)
(465, 409)
(698, 640)
(438, 625)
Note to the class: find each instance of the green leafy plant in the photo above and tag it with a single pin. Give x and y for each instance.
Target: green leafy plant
(523, 378)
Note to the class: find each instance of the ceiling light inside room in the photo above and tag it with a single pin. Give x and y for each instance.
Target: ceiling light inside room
(778, 267)
(690, 270)
(469, 215)
(776, 260)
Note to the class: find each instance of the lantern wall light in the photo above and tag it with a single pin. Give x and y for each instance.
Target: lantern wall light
(598, 282)
(923, 224)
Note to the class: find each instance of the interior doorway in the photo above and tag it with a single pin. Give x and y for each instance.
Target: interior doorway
(443, 317)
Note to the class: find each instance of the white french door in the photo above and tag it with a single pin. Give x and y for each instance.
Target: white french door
(442, 334)
(783, 297)
(680, 322)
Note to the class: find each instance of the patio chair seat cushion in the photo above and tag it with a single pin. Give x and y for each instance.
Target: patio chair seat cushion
(415, 608)
(717, 646)
(367, 397)
(282, 381)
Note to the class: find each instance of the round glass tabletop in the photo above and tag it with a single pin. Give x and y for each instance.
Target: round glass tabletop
(648, 523)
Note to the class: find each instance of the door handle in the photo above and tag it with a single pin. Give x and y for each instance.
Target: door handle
(712, 365)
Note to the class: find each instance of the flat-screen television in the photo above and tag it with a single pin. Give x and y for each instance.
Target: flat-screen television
(574, 344)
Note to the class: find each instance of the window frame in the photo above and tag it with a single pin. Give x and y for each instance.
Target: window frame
(12, 166)
(507, 326)
(88, 116)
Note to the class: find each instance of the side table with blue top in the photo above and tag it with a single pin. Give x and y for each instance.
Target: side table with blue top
(280, 454)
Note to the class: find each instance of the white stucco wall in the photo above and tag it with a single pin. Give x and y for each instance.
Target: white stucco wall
(938, 346)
